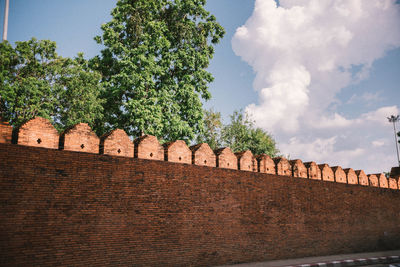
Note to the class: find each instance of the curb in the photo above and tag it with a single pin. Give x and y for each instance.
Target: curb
(355, 262)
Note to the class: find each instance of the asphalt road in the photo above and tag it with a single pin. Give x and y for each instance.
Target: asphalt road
(381, 258)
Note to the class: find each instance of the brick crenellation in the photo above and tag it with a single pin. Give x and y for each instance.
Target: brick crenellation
(39, 132)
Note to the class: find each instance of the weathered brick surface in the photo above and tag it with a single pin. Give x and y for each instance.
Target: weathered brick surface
(298, 168)
(351, 176)
(362, 178)
(246, 161)
(38, 132)
(282, 166)
(203, 155)
(81, 138)
(340, 175)
(116, 143)
(393, 183)
(62, 208)
(373, 180)
(265, 164)
(5, 132)
(313, 171)
(148, 147)
(177, 151)
(383, 181)
(326, 172)
(225, 158)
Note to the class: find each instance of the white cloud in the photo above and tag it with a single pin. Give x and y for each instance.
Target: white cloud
(303, 53)
(323, 150)
(378, 143)
(290, 86)
(379, 116)
(336, 121)
(367, 98)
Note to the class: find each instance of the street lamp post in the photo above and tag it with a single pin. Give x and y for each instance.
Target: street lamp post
(395, 119)
(5, 25)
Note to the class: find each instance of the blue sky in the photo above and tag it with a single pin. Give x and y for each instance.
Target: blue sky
(307, 95)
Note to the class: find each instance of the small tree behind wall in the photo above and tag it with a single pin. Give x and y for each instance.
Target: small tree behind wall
(242, 134)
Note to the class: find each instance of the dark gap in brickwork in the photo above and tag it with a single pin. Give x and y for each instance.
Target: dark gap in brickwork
(62, 141)
(14, 138)
(101, 147)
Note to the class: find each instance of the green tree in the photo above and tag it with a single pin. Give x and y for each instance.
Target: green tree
(35, 81)
(153, 66)
(212, 129)
(241, 134)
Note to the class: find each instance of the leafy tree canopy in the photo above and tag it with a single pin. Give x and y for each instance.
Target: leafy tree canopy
(35, 81)
(153, 66)
(240, 134)
(212, 129)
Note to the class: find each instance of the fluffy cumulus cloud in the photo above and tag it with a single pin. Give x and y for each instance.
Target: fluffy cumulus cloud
(304, 52)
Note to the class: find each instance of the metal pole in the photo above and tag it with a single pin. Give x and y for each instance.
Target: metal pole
(395, 119)
(5, 26)
(395, 138)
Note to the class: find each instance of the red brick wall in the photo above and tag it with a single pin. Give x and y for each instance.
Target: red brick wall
(178, 151)
(283, 166)
(225, 158)
(383, 181)
(340, 175)
(362, 178)
(38, 132)
(203, 155)
(62, 208)
(148, 147)
(80, 137)
(393, 183)
(5, 132)
(326, 173)
(246, 161)
(373, 180)
(313, 171)
(116, 143)
(351, 176)
(298, 169)
(265, 164)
